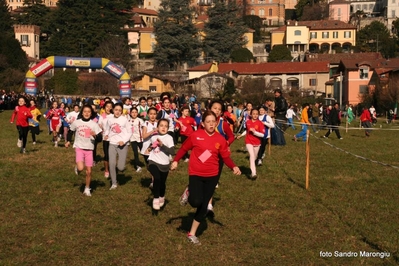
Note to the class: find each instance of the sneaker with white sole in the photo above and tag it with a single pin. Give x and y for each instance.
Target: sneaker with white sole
(217, 185)
(151, 185)
(76, 170)
(114, 186)
(155, 204)
(161, 201)
(193, 239)
(259, 163)
(87, 192)
(139, 169)
(106, 174)
(56, 144)
(184, 197)
(263, 156)
(19, 143)
(34, 143)
(210, 213)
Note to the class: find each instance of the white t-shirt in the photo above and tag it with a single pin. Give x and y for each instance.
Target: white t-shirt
(83, 138)
(157, 155)
(290, 113)
(147, 141)
(136, 126)
(117, 129)
(72, 116)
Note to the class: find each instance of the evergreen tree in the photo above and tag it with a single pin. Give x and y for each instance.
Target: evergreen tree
(34, 13)
(255, 23)
(177, 37)
(81, 25)
(279, 53)
(13, 61)
(224, 32)
(5, 21)
(242, 55)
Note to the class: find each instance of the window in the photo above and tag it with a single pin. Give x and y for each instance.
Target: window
(297, 33)
(313, 35)
(357, 7)
(36, 38)
(335, 34)
(364, 7)
(362, 89)
(24, 40)
(312, 82)
(151, 79)
(393, 14)
(364, 72)
(371, 7)
(270, 12)
(153, 88)
(252, 12)
(325, 34)
(347, 34)
(261, 13)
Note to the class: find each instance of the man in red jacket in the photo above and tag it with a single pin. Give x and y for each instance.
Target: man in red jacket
(366, 120)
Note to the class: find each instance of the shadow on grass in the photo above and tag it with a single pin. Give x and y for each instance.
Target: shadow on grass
(246, 171)
(123, 179)
(145, 182)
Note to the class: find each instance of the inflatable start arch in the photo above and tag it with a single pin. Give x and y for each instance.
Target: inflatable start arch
(77, 62)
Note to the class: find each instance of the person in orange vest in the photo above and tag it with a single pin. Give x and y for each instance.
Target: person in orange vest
(305, 123)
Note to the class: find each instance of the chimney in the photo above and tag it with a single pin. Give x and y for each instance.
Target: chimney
(229, 61)
(252, 61)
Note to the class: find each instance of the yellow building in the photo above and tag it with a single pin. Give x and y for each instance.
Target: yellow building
(315, 36)
(28, 37)
(15, 4)
(152, 83)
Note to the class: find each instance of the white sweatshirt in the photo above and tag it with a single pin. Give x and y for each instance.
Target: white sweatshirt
(117, 129)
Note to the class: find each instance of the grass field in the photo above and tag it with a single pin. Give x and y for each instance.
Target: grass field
(351, 206)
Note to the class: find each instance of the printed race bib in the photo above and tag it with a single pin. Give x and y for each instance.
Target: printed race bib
(172, 115)
(117, 129)
(155, 144)
(104, 115)
(87, 132)
(205, 156)
(143, 114)
(183, 128)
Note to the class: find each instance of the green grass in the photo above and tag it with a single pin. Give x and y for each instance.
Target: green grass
(352, 205)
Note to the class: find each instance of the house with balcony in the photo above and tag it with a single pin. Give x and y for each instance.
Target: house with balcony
(315, 36)
(28, 37)
(303, 76)
(151, 84)
(15, 4)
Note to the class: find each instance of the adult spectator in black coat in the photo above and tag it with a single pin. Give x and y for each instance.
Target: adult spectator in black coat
(280, 109)
(334, 120)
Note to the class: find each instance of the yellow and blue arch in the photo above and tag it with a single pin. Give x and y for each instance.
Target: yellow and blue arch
(77, 62)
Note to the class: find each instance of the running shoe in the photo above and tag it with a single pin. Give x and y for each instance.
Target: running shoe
(106, 174)
(193, 239)
(19, 143)
(55, 143)
(34, 143)
(87, 192)
(114, 186)
(151, 185)
(184, 197)
(139, 170)
(155, 204)
(259, 162)
(76, 170)
(161, 201)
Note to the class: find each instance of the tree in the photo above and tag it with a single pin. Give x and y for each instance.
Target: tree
(395, 26)
(177, 37)
(228, 90)
(13, 60)
(116, 49)
(34, 13)
(224, 31)
(279, 53)
(241, 55)
(375, 37)
(255, 23)
(80, 26)
(254, 90)
(317, 11)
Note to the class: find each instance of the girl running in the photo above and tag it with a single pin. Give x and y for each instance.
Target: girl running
(158, 162)
(149, 129)
(136, 141)
(23, 114)
(54, 115)
(208, 149)
(187, 125)
(255, 130)
(118, 133)
(167, 113)
(86, 132)
(34, 121)
(268, 122)
(65, 124)
(102, 122)
(143, 108)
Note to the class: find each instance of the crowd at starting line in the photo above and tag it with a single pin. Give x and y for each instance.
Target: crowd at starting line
(153, 130)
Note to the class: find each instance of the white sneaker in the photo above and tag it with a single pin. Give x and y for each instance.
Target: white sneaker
(186, 160)
(114, 186)
(259, 163)
(210, 207)
(184, 197)
(34, 143)
(19, 143)
(139, 170)
(263, 156)
(217, 185)
(151, 185)
(106, 175)
(155, 204)
(56, 144)
(87, 192)
(161, 201)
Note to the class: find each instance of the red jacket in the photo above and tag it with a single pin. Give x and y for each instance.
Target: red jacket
(23, 114)
(200, 144)
(250, 138)
(365, 116)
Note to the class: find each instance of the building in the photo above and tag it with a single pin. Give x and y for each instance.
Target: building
(272, 12)
(15, 4)
(340, 10)
(315, 36)
(152, 84)
(28, 36)
(152, 4)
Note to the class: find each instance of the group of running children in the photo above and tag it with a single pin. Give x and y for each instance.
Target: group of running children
(151, 132)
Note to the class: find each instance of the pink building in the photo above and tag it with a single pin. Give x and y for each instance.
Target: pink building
(340, 10)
